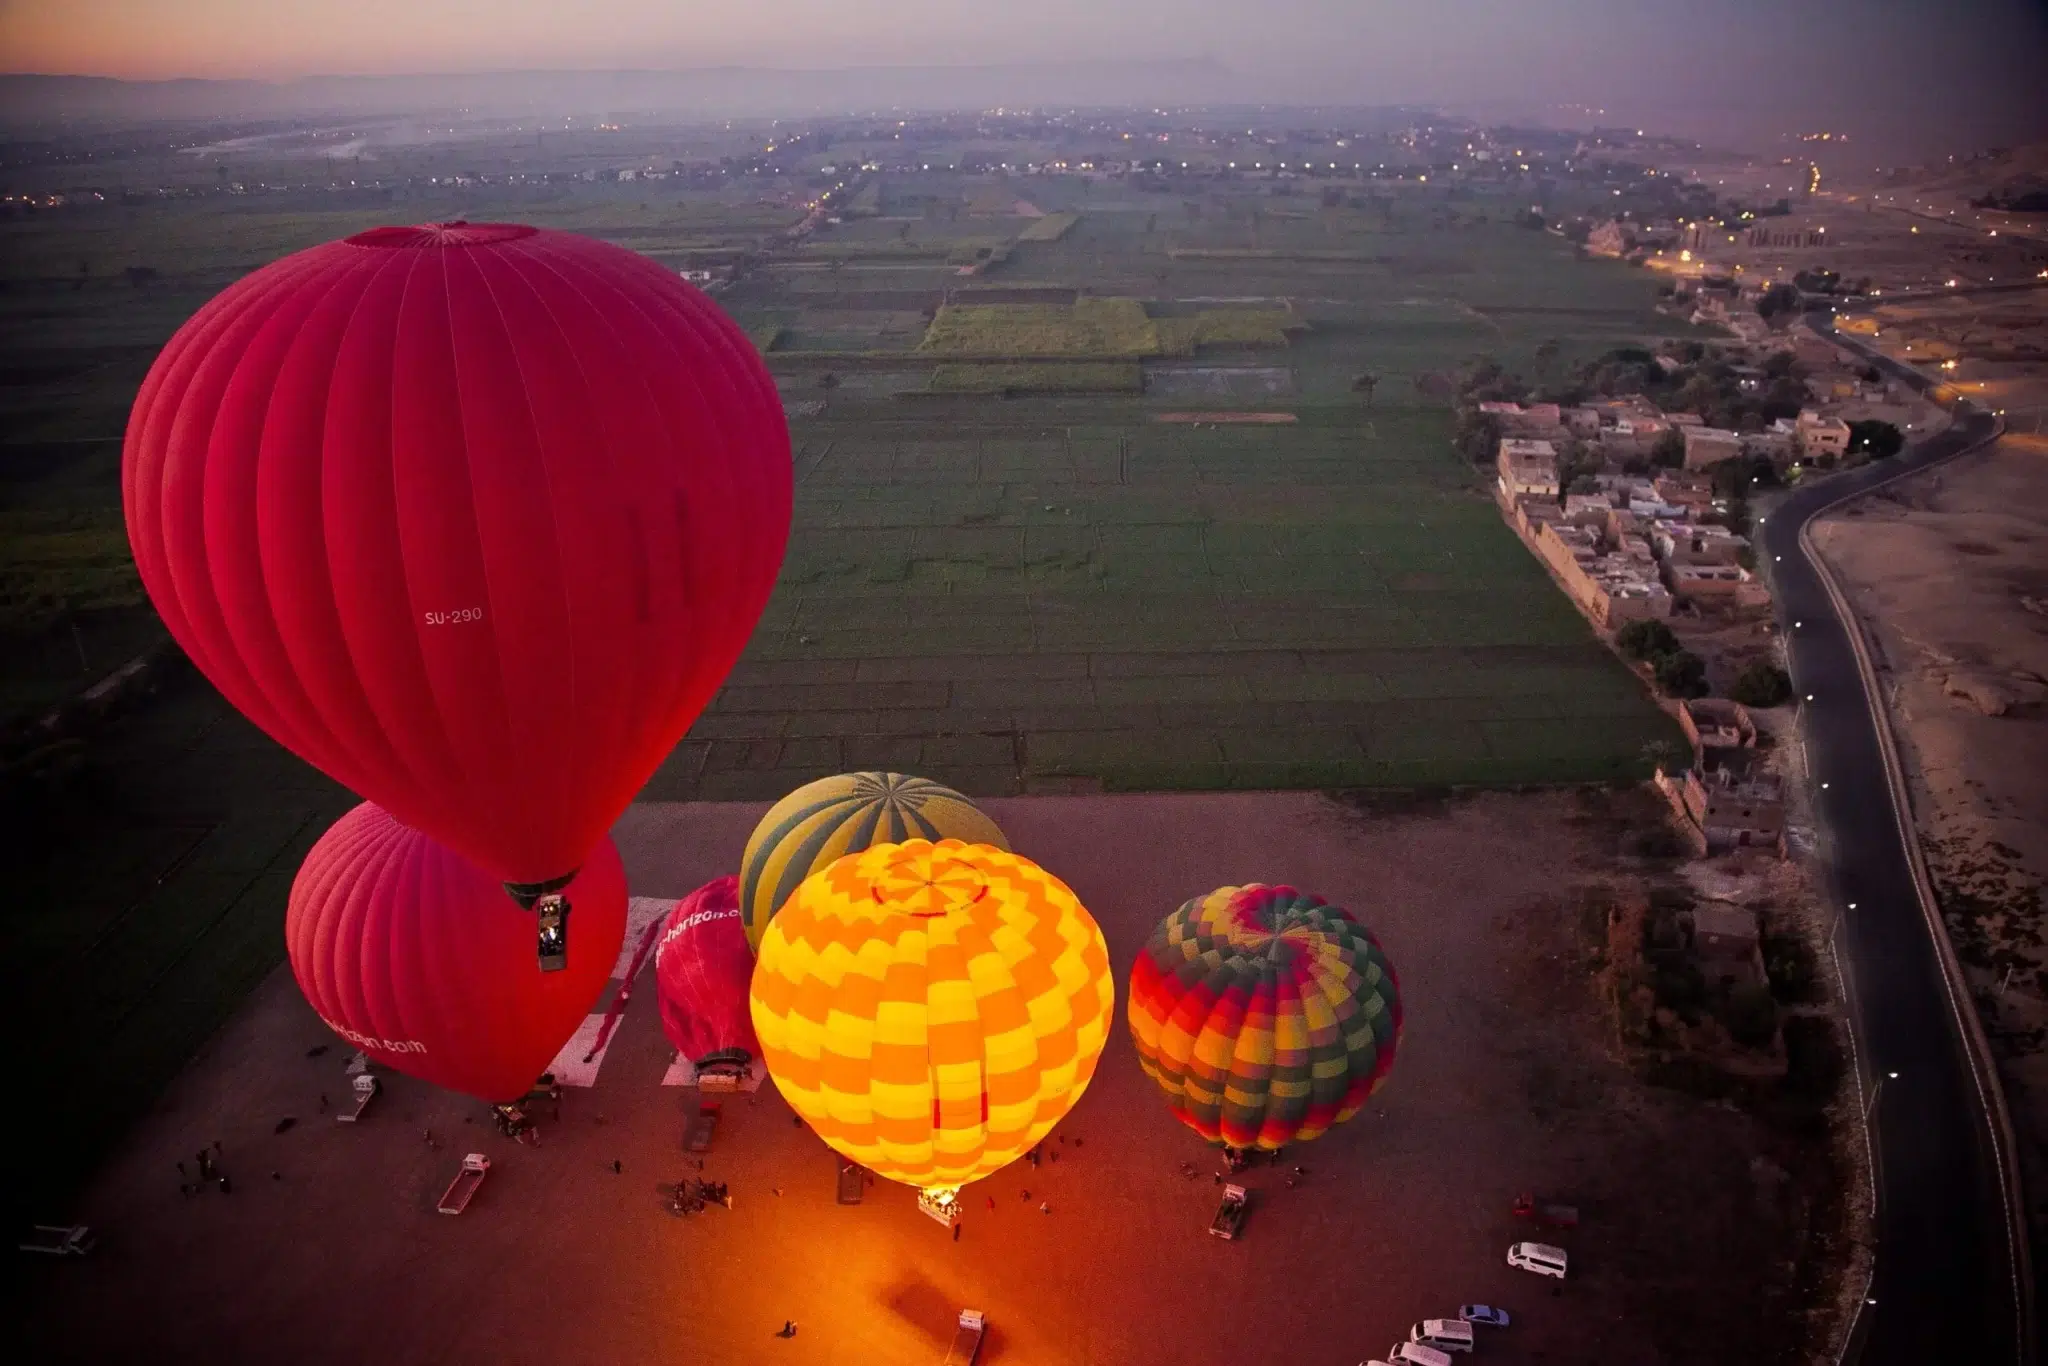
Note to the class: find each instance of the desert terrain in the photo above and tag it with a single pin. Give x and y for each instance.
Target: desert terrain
(1949, 571)
(1704, 1226)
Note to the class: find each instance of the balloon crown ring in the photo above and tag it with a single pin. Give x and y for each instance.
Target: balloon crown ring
(927, 882)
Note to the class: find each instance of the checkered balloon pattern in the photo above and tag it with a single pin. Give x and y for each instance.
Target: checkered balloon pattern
(1265, 1014)
(932, 1010)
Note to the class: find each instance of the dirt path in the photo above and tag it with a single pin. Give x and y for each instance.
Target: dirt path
(1950, 573)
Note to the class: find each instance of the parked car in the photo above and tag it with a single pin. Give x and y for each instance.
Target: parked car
(1446, 1335)
(1487, 1314)
(1415, 1354)
(1541, 1258)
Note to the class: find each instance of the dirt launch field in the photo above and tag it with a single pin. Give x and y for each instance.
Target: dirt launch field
(328, 1248)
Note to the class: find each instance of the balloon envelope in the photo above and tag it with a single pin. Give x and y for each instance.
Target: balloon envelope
(417, 957)
(701, 971)
(474, 518)
(932, 1010)
(844, 814)
(1265, 1014)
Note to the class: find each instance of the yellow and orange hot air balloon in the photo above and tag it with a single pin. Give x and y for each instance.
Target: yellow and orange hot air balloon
(932, 1010)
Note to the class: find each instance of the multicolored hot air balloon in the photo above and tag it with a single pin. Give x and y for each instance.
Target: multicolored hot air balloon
(414, 955)
(1265, 1014)
(701, 970)
(832, 817)
(932, 1010)
(472, 517)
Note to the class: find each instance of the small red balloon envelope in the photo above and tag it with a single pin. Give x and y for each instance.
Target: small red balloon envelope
(701, 971)
(417, 957)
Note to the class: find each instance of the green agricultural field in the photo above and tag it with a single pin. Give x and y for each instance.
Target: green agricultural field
(1087, 328)
(1050, 228)
(1040, 377)
(1013, 603)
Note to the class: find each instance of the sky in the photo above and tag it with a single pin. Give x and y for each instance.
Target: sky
(1907, 65)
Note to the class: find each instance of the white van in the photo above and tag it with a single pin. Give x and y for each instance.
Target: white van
(1415, 1354)
(1446, 1335)
(1541, 1258)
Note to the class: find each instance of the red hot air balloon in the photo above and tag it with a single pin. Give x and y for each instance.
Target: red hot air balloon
(702, 970)
(472, 517)
(414, 955)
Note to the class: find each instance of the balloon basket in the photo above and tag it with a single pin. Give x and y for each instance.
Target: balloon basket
(942, 1205)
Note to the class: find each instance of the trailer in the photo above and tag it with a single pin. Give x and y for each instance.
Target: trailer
(967, 1335)
(60, 1240)
(1230, 1214)
(703, 1127)
(853, 1181)
(365, 1088)
(463, 1188)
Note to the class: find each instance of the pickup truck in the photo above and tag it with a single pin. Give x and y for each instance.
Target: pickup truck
(456, 1198)
(1230, 1214)
(365, 1088)
(703, 1126)
(967, 1336)
(1547, 1214)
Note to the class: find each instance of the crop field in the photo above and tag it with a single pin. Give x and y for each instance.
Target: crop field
(1004, 571)
(1015, 606)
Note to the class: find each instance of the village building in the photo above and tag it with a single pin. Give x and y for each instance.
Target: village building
(1693, 543)
(1820, 435)
(1715, 585)
(1709, 446)
(1727, 943)
(1527, 467)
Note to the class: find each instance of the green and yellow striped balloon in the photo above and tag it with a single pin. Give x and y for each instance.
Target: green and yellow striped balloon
(832, 817)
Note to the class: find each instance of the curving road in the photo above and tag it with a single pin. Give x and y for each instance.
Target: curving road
(1947, 1285)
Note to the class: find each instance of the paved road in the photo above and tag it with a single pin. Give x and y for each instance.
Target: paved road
(1944, 1287)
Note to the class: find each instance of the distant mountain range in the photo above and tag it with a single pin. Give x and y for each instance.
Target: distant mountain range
(727, 92)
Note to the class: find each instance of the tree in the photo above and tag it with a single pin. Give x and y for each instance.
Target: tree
(1365, 384)
(1477, 436)
(1762, 684)
(1780, 299)
(1681, 673)
(1875, 439)
(1645, 639)
(1669, 452)
(1751, 1015)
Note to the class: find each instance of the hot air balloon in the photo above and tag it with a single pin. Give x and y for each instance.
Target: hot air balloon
(414, 955)
(701, 970)
(472, 517)
(932, 1010)
(1265, 1014)
(826, 819)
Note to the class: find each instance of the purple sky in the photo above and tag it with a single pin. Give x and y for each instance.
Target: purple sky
(1904, 66)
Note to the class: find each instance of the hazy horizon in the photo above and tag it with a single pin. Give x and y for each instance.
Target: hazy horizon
(1900, 74)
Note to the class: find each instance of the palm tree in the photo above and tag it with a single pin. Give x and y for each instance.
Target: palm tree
(1365, 384)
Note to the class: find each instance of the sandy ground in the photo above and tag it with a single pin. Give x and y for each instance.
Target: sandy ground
(1504, 1083)
(1951, 572)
